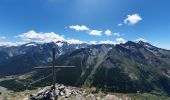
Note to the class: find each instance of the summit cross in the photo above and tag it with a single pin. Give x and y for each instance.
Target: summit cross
(53, 67)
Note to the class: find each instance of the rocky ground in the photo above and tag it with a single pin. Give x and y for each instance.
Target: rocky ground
(63, 92)
(60, 93)
(72, 93)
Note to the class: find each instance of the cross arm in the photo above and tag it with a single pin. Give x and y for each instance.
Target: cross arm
(47, 67)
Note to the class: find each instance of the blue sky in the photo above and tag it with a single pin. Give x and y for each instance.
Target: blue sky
(86, 20)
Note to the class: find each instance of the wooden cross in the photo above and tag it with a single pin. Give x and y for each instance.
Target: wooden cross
(53, 68)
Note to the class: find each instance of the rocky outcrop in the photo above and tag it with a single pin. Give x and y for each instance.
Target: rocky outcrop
(62, 92)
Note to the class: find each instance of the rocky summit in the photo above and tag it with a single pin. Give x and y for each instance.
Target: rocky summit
(62, 92)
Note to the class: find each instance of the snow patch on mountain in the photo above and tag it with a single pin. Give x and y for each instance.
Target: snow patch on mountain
(31, 44)
(59, 44)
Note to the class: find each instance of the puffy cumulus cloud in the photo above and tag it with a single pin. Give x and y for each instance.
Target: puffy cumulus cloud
(85, 28)
(79, 27)
(140, 39)
(95, 32)
(46, 37)
(132, 19)
(2, 37)
(120, 40)
(108, 32)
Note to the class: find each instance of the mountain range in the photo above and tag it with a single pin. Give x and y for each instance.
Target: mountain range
(129, 67)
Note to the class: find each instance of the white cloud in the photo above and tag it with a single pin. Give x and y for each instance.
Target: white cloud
(132, 19)
(107, 42)
(8, 44)
(92, 42)
(53, 37)
(79, 28)
(2, 37)
(46, 37)
(74, 41)
(108, 32)
(92, 32)
(120, 40)
(141, 39)
(95, 32)
(85, 28)
(117, 41)
(120, 24)
(116, 34)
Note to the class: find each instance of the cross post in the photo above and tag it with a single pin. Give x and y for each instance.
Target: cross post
(53, 68)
